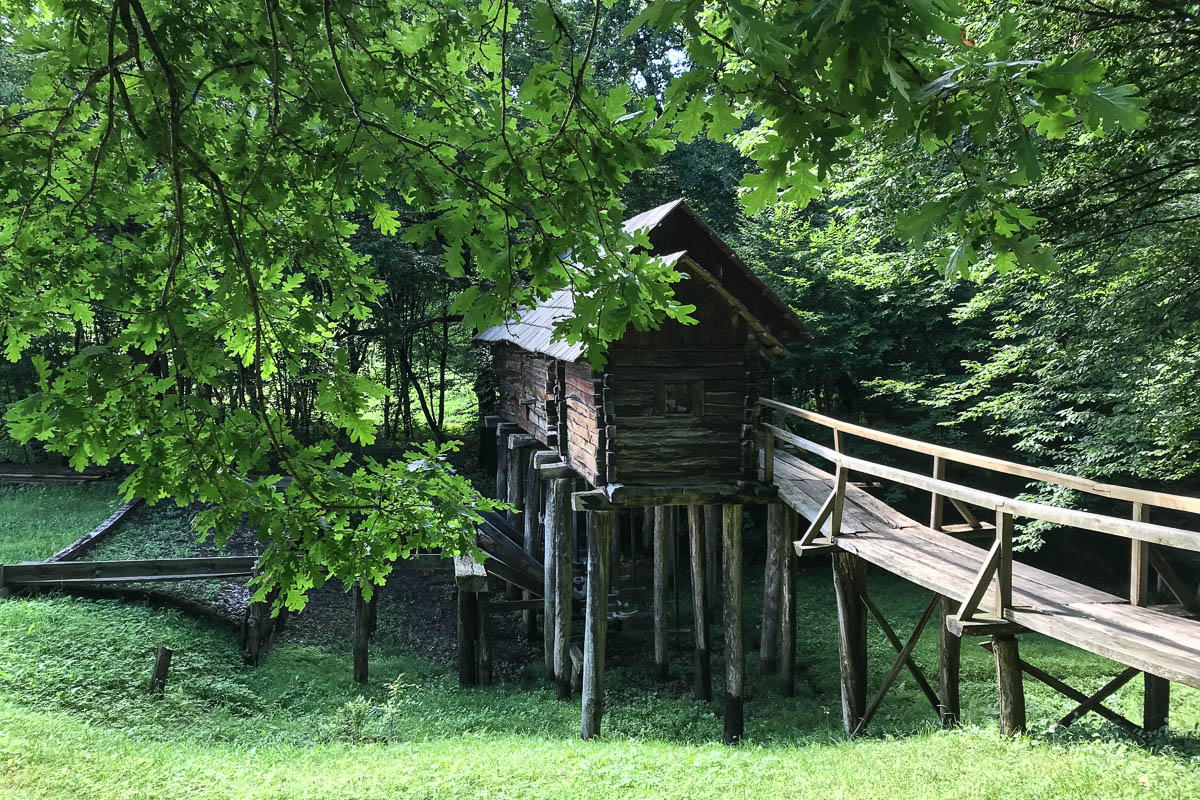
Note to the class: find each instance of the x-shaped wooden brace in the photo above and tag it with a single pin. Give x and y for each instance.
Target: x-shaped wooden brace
(1093, 702)
(903, 659)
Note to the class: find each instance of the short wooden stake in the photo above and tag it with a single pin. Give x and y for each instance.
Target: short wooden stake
(701, 661)
(561, 520)
(483, 649)
(950, 653)
(162, 663)
(662, 532)
(596, 623)
(787, 606)
(362, 633)
(468, 625)
(735, 657)
(849, 577)
(768, 648)
(1010, 684)
(1156, 702)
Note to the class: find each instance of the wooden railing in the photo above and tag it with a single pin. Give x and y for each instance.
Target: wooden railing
(998, 562)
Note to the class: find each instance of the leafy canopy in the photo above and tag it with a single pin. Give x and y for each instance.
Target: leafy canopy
(188, 172)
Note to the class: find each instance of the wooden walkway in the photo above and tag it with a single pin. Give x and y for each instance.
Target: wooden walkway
(1150, 639)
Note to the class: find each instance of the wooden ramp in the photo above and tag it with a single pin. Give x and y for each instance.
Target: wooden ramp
(1149, 639)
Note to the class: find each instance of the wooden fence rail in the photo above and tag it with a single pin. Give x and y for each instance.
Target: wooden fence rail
(997, 566)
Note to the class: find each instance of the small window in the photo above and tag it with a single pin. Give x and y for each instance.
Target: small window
(677, 398)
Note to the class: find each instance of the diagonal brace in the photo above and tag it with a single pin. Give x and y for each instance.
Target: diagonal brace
(901, 660)
(918, 676)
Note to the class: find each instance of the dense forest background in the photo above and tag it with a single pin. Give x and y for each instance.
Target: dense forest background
(1089, 367)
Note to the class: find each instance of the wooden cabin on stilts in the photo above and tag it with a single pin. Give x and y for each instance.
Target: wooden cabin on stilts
(667, 422)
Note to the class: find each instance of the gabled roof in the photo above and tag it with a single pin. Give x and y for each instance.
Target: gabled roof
(533, 329)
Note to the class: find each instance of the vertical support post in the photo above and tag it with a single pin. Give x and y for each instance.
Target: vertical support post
(662, 543)
(614, 558)
(530, 514)
(483, 650)
(701, 661)
(768, 457)
(949, 658)
(937, 503)
(768, 648)
(787, 605)
(1004, 533)
(502, 431)
(563, 585)
(362, 632)
(468, 627)
(162, 663)
(712, 555)
(735, 657)
(849, 577)
(1010, 684)
(549, 565)
(596, 624)
(1156, 702)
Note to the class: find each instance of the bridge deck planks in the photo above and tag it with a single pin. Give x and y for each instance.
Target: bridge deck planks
(1161, 642)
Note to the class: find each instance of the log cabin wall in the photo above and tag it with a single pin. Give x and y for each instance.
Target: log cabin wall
(676, 399)
(527, 391)
(585, 445)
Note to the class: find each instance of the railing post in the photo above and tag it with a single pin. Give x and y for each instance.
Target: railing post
(937, 502)
(1004, 533)
(768, 456)
(1139, 562)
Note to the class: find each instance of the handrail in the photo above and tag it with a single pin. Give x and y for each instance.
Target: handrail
(1145, 497)
(1100, 523)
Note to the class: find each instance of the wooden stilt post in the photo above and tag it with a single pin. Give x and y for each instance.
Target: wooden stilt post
(483, 649)
(950, 652)
(529, 515)
(1010, 684)
(596, 624)
(502, 432)
(848, 578)
(701, 662)
(735, 657)
(471, 580)
(768, 647)
(787, 605)
(549, 583)
(712, 554)
(362, 632)
(662, 524)
(563, 585)
(1156, 702)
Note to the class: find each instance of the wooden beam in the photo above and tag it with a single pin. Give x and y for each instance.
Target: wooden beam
(141, 569)
(735, 658)
(1092, 703)
(712, 555)
(904, 658)
(701, 661)
(983, 579)
(468, 638)
(1173, 581)
(848, 579)
(483, 650)
(615, 496)
(937, 503)
(949, 660)
(560, 520)
(596, 624)
(1139, 562)
(101, 531)
(550, 563)
(891, 636)
(662, 543)
(1156, 702)
(1010, 687)
(787, 607)
(768, 647)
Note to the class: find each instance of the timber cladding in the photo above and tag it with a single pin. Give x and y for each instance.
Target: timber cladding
(672, 406)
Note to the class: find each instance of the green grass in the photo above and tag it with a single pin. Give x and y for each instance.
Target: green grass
(38, 520)
(75, 719)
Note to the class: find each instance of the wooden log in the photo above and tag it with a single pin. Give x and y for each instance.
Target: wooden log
(158, 675)
(768, 647)
(533, 502)
(735, 657)
(362, 632)
(849, 576)
(787, 606)
(468, 637)
(550, 562)
(502, 433)
(596, 623)
(469, 574)
(101, 531)
(701, 661)
(949, 659)
(1156, 702)
(576, 668)
(712, 555)
(483, 648)
(562, 519)
(662, 525)
(1010, 685)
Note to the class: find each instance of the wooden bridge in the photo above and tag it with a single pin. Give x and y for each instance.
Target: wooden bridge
(982, 591)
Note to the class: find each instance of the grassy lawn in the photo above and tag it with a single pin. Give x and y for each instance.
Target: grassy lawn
(75, 720)
(38, 520)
